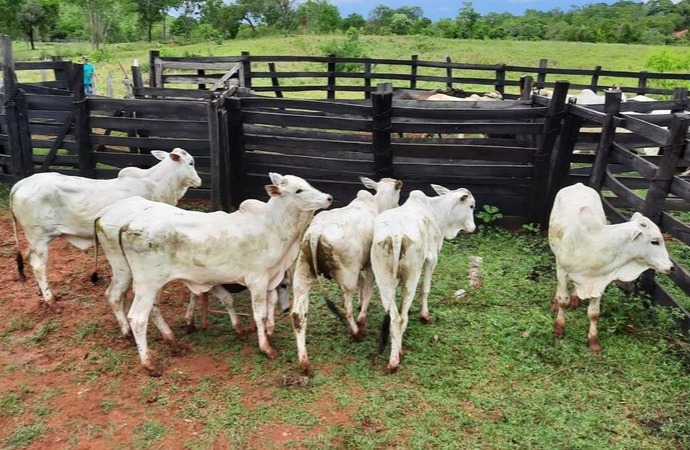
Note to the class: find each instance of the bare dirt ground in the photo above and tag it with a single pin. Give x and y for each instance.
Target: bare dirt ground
(58, 370)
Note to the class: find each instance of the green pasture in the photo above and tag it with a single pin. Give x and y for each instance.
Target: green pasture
(570, 55)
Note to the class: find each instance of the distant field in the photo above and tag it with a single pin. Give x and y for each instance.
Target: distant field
(559, 54)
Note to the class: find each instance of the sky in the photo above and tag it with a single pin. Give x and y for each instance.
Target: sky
(437, 9)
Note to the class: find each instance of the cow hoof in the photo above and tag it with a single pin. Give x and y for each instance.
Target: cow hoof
(190, 328)
(594, 345)
(359, 335)
(559, 331)
(155, 372)
(424, 318)
(391, 369)
(271, 353)
(306, 368)
(54, 307)
(177, 349)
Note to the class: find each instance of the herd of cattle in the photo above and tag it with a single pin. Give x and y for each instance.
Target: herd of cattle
(150, 242)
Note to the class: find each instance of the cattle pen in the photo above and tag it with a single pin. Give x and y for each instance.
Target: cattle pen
(239, 124)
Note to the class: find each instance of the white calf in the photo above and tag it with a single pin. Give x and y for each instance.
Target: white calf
(204, 250)
(592, 254)
(337, 245)
(406, 243)
(49, 205)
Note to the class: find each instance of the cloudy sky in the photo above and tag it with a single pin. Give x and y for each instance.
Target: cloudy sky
(436, 9)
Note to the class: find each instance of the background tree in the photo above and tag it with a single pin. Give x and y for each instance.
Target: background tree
(152, 12)
(31, 15)
(467, 20)
(318, 16)
(356, 21)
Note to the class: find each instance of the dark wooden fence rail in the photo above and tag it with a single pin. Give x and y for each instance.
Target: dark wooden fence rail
(263, 74)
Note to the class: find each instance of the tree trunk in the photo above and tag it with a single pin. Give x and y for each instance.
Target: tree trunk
(251, 25)
(150, 31)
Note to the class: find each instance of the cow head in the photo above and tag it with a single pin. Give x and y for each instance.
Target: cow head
(648, 244)
(183, 164)
(306, 197)
(387, 191)
(460, 207)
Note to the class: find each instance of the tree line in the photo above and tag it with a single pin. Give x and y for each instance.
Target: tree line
(101, 21)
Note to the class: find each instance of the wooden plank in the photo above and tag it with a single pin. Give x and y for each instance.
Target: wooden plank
(337, 107)
(635, 162)
(173, 93)
(429, 171)
(56, 144)
(263, 130)
(454, 128)
(469, 152)
(356, 166)
(195, 129)
(464, 111)
(675, 227)
(151, 107)
(634, 201)
(309, 147)
(200, 145)
(49, 102)
(654, 133)
(302, 121)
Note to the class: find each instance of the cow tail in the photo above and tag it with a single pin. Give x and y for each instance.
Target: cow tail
(94, 275)
(335, 310)
(19, 257)
(385, 332)
(396, 244)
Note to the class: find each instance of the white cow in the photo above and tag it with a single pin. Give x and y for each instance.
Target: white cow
(337, 245)
(592, 254)
(49, 205)
(489, 96)
(203, 250)
(407, 240)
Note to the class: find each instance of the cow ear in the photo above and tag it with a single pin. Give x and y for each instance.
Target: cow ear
(440, 190)
(276, 178)
(635, 233)
(175, 157)
(398, 184)
(273, 190)
(464, 197)
(368, 183)
(589, 218)
(159, 154)
(635, 216)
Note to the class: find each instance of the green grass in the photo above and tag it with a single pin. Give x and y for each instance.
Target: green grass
(572, 55)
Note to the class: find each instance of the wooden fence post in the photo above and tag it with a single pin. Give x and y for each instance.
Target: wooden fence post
(201, 73)
(449, 74)
(153, 56)
(80, 111)
(60, 73)
(137, 82)
(382, 105)
(236, 151)
(500, 83)
(560, 167)
(642, 84)
(216, 153)
(367, 80)
(413, 71)
(274, 80)
(247, 69)
(608, 133)
(18, 134)
(594, 83)
(673, 151)
(542, 158)
(541, 73)
(330, 93)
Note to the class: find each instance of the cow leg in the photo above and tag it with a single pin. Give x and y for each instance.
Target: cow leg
(272, 301)
(138, 316)
(300, 293)
(400, 320)
(38, 260)
(593, 313)
(366, 290)
(561, 301)
(260, 309)
(166, 331)
(189, 314)
(122, 279)
(429, 267)
(226, 299)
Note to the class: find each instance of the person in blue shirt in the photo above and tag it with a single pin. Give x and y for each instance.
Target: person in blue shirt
(89, 75)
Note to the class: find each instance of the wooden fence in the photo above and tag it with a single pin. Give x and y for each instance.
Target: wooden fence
(282, 75)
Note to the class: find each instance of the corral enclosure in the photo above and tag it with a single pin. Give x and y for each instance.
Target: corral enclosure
(512, 154)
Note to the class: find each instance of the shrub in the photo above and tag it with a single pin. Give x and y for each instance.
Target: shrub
(351, 47)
